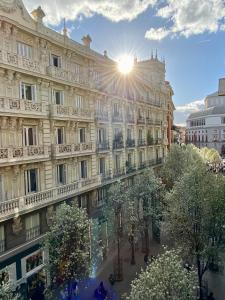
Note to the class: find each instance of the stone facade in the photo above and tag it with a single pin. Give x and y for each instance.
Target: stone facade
(70, 125)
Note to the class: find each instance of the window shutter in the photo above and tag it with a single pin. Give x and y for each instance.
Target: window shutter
(35, 142)
(21, 90)
(34, 93)
(53, 97)
(1, 188)
(62, 97)
(64, 173)
(60, 62)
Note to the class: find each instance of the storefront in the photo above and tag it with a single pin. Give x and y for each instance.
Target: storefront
(34, 275)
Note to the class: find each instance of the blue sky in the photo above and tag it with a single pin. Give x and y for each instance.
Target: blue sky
(188, 33)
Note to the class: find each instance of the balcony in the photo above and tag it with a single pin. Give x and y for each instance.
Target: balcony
(130, 168)
(158, 141)
(142, 165)
(130, 143)
(117, 117)
(33, 201)
(21, 154)
(141, 142)
(107, 175)
(130, 119)
(103, 146)
(101, 116)
(118, 144)
(72, 149)
(141, 120)
(33, 232)
(22, 107)
(150, 121)
(21, 62)
(66, 75)
(118, 172)
(69, 112)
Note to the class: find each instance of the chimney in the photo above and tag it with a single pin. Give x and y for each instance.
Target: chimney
(105, 53)
(38, 14)
(87, 41)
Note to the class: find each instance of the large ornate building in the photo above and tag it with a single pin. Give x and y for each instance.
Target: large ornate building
(206, 128)
(70, 125)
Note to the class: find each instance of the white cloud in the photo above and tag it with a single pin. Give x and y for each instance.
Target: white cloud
(183, 111)
(156, 34)
(115, 10)
(192, 17)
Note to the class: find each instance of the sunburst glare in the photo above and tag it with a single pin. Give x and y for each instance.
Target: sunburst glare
(125, 63)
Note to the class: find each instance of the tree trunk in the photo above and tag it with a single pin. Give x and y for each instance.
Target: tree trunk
(200, 279)
(132, 262)
(146, 236)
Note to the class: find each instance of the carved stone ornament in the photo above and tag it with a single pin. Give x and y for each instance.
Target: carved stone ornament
(8, 5)
(17, 225)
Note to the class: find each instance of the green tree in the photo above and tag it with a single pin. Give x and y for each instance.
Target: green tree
(165, 278)
(179, 160)
(195, 215)
(7, 291)
(210, 155)
(113, 211)
(68, 244)
(147, 193)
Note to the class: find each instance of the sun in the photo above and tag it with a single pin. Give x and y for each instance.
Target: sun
(125, 64)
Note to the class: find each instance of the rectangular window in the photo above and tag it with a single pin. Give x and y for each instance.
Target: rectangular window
(2, 239)
(116, 109)
(61, 174)
(140, 134)
(83, 201)
(117, 162)
(102, 165)
(56, 61)
(28, 91)
(32, 226)
(223, 120)
(82, 135)
(83, 169)
(129, 135)
(140, 157)
(24, 50)
(79, 101)
(102, 194)
(31, 181)
(101, 135)
(58, 97)
(129, 159)
(29, 136)
(60, 135)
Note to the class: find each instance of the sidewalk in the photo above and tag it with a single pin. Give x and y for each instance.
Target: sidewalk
(129, 271)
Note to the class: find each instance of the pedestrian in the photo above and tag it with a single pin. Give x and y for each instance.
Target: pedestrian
(112, 279)
(210, 297)
(146, 259)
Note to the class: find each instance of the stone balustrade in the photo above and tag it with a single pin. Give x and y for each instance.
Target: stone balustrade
(67, 75)
(22, 107)
(72, 149)
(13, 207)
(21, 62)
(65, 112)
(20, 154)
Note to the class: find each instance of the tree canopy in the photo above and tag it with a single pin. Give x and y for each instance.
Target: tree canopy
(195, 216)
(68, 243)
(165, 278)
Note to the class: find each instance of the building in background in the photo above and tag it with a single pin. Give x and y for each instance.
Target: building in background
(206, 128)
(70, 125)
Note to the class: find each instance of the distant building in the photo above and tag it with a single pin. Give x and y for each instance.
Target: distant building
(179, 134)
(206, 128)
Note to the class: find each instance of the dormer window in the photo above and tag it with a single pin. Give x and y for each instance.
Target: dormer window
(56, 61)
